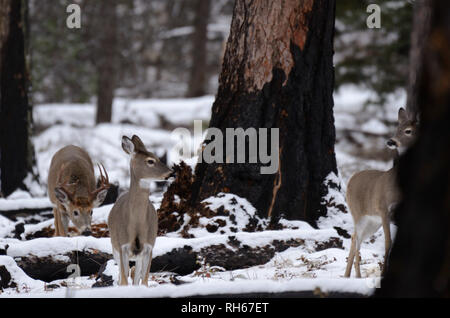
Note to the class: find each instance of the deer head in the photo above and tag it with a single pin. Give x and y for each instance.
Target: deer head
(406, 132)
(144, 165)
(79, 208)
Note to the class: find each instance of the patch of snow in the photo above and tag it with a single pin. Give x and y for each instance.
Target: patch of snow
(42, 247)
(335, 198)
(6, 226)
(24, 203)
(361, 286)
(19, 194)
(25, 284)
(374, 126)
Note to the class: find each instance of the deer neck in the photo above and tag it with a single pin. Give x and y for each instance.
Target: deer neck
(139, 193)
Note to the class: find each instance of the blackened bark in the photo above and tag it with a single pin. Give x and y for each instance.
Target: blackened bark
(278, 73)
(198, 78)
(106, 61)
(16, 150)
(419, 35)
(419, 264)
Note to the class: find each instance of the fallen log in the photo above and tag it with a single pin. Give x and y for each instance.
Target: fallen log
(26, 212)
(181, 261)
(42, 206)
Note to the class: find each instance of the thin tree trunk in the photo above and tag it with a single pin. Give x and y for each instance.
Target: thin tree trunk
(16, 149)
(419, 264)
(419, 35)
(4, 26)
(106, 61)
(198, 78)
(278, 73)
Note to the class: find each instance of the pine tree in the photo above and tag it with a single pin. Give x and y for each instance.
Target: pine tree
(278, 73)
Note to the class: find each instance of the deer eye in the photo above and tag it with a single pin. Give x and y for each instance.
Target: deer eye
(91, 212)
(76, 213)
(150, 162)
(408, 131)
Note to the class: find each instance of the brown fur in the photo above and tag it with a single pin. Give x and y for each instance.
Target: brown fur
(72, 189)
(133, 222)
(372, 195)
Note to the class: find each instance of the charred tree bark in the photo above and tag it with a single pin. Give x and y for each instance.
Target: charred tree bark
(278, 73)
(198, 78)
(419, 36)
(16, 149)
(106, 61)
(419, 264)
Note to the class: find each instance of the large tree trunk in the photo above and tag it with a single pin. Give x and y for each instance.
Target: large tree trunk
(16, 150)
(198, 78)
(420, 260)
(278, 73)
(106, 60)
(419, 35)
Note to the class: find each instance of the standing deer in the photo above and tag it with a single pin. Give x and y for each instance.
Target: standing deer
(373, 194)
(72, 189)
(133, 222)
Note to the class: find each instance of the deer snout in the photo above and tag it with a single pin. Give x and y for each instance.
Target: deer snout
(392, 144)
(86, 232)
(169, 174)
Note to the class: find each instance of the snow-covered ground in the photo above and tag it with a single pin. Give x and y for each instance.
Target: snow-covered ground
(295, 269)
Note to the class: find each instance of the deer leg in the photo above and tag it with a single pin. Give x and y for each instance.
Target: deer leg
(387, 240)
(132, 270)
(59, 228)
(357, 267)
(56, 217)
(351, 256)
(65, 224)
(146, 263)
(124, 264)
(138, 270)
(116, 255)
(366, 226)
(358, 241)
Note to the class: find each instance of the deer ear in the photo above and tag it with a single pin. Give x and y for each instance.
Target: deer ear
(417, 118)
(402, 115)
(138, 144)
(101, 196)
(62, 196)
(128, 145)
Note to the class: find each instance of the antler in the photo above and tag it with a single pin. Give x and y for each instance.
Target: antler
(104, 181)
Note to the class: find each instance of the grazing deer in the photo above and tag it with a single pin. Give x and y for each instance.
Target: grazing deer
(72, 189)
(373, 194)
(133, 222)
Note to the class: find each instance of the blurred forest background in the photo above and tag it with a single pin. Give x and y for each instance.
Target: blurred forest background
(173, 48)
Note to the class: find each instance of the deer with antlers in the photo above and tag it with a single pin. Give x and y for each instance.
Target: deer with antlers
(72, 189)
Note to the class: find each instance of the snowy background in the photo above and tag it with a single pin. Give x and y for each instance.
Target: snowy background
(310, 265)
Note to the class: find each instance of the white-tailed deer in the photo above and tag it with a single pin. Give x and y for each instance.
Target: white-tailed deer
(373, 194)
(72, 189)
(133, 222)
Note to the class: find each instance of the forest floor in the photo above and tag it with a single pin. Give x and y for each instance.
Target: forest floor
(215, 260)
